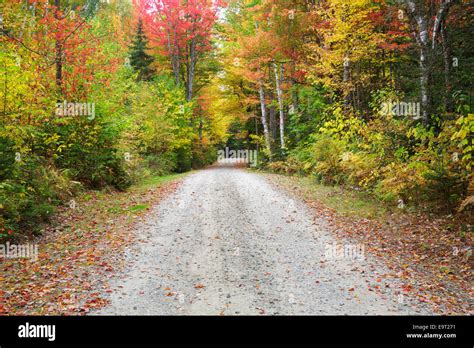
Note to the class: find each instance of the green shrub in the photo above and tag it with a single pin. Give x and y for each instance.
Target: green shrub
(327, 153)
(360, 169)
(402, 181)
(30, 196)
(282, 167)
(203, 156)
(89, 152)
(444, 185)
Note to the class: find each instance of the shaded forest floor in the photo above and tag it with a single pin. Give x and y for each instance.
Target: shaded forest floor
(431, 254)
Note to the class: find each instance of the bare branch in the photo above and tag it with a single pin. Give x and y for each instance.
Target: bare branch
(5, 32)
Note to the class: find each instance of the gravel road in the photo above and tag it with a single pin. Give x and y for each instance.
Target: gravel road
(227, 242)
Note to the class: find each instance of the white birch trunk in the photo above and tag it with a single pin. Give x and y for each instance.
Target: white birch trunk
(280, 104)
(264, 117)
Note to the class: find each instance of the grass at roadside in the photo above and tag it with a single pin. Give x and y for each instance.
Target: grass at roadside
(346, 202)
(157, 181)
(128, 202)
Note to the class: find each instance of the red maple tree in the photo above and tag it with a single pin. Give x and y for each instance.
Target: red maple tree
(181, 29)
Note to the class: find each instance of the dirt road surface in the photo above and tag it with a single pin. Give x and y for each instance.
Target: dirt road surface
(227, 242)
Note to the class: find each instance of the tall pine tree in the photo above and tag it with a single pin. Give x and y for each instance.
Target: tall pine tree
(139, 59)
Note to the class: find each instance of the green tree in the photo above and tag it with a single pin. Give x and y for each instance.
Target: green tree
(139, 59)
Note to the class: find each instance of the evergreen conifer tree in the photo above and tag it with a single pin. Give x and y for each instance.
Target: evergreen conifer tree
(139, 59)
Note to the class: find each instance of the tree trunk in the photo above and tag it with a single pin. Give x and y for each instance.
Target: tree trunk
(420, 16)
(191, 66)
(272, 119)
(59, 49)
(278, 75)
(174, 60)
(345, 79)
(264, 118)
(424, 83)
(271, 108)
(200, 127)
(447, 69)
(419, 23)
(294, 90)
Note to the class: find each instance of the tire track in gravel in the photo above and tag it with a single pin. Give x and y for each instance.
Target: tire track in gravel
(228, 242)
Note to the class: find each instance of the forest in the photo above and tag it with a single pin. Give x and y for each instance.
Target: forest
(372, 97)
